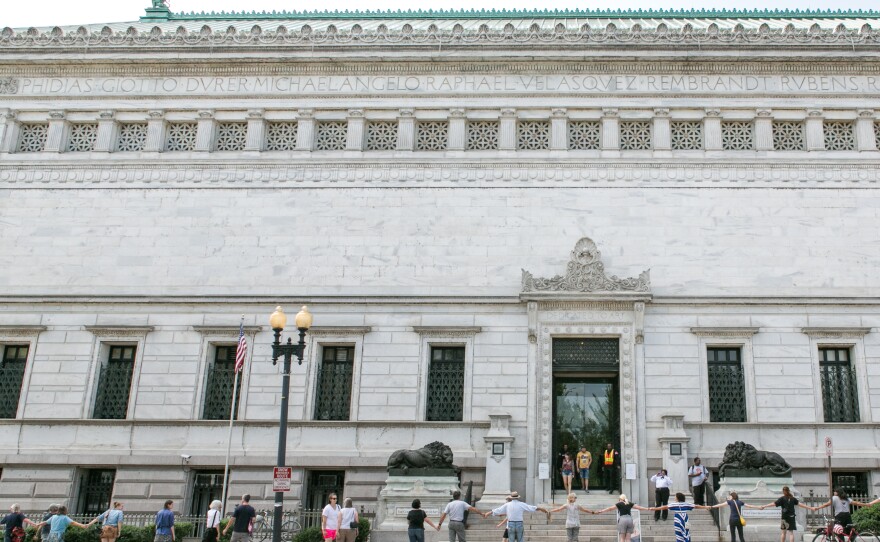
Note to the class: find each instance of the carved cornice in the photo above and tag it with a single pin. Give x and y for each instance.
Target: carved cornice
(725, 331)
(270, 172)
(119, 331)
(9, 331)
(836, 332)
(585, 273)
(353, 35)
(339, 330)
(226, 331)
(447, 331)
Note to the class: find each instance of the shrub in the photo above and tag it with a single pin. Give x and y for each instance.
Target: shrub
(312, 534)
(363, 530)
(867, 518)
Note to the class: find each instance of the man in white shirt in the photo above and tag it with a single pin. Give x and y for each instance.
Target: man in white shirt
(662, 484)
(514, 511)
(455, 510)
(697, 476)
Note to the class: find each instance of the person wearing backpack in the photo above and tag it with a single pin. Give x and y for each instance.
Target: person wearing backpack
(14, 522)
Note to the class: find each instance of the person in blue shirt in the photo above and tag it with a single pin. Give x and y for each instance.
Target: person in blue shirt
(59, 523)
(165, 523)
(112, 523)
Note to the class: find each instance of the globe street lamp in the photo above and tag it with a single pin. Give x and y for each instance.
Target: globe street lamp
(303, 322)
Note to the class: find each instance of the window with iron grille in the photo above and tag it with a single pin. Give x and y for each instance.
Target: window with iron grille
(181, 136)
(839, 136)
(381, 135)
(82, 137)
(331, 135)
(635, 135)
(482, 135)
(95, 491)
(584, 135)
(854, 483)
(11, 377)
(533, 135)
(221, 384)
(114, 383)
(231, 136)
(333, 401)
(132, 137)
(727, 397)
(432, 135)
(445, 401)
(281, 136)
(840, 396)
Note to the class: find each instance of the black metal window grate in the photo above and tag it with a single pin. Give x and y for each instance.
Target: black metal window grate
(839, 391)
(446, 385)
(220, 385)
(586, 355)
(96, 490)
(727, 397)
(333, 401)
(114, 383)
(854, 483)
(11, 378)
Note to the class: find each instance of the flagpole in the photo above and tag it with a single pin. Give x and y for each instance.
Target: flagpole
(229, 435)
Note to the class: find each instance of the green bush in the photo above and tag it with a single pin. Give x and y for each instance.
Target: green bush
(312, 534)
(75, 534)
(363, 530)
(867, 518)
(128, 534)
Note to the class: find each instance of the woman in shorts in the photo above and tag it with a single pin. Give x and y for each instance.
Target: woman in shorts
(788, 503)
(625, 525)
(330, 519)
(567, 472)
(111, 523)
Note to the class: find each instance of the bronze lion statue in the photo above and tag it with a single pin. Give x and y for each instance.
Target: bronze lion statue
(434, 456)
(749, 461)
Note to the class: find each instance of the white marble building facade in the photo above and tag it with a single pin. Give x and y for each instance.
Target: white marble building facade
(161, 178)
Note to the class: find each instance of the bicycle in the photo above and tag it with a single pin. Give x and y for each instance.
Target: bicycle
(827, 534)
(263, 529)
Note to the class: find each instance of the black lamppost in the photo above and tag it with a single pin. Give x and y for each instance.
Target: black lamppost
(303, 322)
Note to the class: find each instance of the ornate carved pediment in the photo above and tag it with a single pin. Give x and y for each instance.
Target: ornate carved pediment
(585, 273)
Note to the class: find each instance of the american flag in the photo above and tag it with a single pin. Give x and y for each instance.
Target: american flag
(241, 351)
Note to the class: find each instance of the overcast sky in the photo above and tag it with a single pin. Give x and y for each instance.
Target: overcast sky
(23, 13)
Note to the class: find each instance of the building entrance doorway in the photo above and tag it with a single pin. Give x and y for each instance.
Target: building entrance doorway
(586, 408)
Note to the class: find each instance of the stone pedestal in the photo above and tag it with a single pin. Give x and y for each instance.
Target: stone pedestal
(760, 524)
(498, 447)
(395, 501)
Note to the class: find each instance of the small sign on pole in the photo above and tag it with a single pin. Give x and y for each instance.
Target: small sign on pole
(281, 478)
(829, 447)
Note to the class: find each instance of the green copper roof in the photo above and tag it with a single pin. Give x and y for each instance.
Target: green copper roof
(161, 13)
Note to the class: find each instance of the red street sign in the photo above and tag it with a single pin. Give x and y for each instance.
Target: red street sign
(281, 478)
(829, 449)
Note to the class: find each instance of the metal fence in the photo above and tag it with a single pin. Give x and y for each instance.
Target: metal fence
(821, 518)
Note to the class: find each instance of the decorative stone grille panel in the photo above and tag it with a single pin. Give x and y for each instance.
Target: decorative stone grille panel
(788, 136)
(584, 135)
(231, 136)
(12, 366)
(586, 355)
(114, 384)
(281, 136)
(32, 137)
(181, 136)
(687, 135)
(482, 135)
(333, 400)
(738, 135)
(635, 135)
(877, 134)
(840, 398)
(432, 135)
(221, 384)
(381, 135)
(445, 399)
(132, 137)
(533, 135)
(840, 136)
(82, 137)
(331, 135)
(727, 398)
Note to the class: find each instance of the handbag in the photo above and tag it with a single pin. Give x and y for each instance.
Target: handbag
(353, 525)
